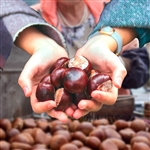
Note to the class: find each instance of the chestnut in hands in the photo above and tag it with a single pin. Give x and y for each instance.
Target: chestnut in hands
(70, 81)
(96, 82)
(82, 63)
(61, 62)
(75, 80)
(45, 91)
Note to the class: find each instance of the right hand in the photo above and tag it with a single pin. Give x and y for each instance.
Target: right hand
(35, 69)
(106, 62)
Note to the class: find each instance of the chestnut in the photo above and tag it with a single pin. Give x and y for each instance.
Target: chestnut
(108, 144)
(78, 143)
(4, 145)
(86, 127)
(77, 97)
(63, 99)
(57, 141)
(46, 78)
(56, 77)
(80, 62)
(93, 73)
(2, 134)
(75, 80)
(140, 146)
(93, 142)
(138, 125)
(69, 146)
(45, 91)
(96, 82)
(61, 62)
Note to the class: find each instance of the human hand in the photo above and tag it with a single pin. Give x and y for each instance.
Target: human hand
(102, 59)
(35, 69)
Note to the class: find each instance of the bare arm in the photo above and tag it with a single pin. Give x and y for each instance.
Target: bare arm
(127, 35)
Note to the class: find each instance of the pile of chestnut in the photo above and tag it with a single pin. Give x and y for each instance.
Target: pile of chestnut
(71, 80)
(44, 134)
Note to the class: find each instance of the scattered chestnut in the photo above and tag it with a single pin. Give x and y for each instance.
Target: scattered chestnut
(93, 142)
(138, 125)
(78, 143)
(57, 141)
(86, 127)
(69, 146)
(45, 91)
(4, 145)
(80, 62)
(75, 80)
(108, 144)
(2, 134)
(140, 146)
(61, 62)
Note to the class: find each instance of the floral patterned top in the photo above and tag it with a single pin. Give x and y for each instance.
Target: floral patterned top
(77, 36)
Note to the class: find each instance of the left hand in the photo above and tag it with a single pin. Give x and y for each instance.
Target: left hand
(102, 59)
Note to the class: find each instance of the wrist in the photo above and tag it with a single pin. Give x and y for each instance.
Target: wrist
(106, 40)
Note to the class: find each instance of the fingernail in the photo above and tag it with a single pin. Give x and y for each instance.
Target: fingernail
(119, 81)
(51, 105)
(83, 105)
(96, 95)
(26, 91)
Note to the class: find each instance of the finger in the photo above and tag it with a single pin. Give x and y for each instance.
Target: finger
(119, 73)
(90, 105)
(40, 107)
(108, 98)
(26, 78)
(69, 111)
(80, 113)
(58, 115)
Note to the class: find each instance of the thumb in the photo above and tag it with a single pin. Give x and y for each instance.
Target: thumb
(118, 75)
(25, 80)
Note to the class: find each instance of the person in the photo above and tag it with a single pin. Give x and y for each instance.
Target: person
(76, 27)
(100, 47)
(97, 45)
(126, 18)
(26, 28)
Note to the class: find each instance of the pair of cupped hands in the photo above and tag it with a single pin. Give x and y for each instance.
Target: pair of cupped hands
(101, 58)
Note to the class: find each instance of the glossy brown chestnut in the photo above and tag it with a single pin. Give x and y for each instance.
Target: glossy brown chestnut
(80, 62)
(63, 99)
(46, 78)
(75, 80)
(95, 81)
(56, 77)
(61, 62)
(77, 97)
(45, 91)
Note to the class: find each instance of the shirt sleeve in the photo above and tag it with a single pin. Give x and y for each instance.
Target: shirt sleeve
(15, 16)
(139, 68)
(127, 13)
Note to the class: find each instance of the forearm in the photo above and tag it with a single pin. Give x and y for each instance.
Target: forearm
(126, 34)
(31, 40)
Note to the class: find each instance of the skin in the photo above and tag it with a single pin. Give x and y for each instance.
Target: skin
(99, 50)
(72, 10)
(44, 53)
